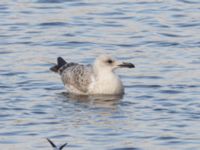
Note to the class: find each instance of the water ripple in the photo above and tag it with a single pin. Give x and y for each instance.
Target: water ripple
(160, 107)
(126, 148)
(52, 24)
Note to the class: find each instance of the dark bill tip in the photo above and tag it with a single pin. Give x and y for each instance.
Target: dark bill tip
(127, 65)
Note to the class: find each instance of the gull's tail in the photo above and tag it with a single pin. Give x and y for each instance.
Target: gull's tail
(60, 62)
(54, 146)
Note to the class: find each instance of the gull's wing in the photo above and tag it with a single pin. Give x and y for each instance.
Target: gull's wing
(52, 144)
(62, 146)
(76, 75)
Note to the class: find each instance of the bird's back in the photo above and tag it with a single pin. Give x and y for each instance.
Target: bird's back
(76, 77)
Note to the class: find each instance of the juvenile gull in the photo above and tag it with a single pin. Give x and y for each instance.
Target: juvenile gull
(98, 78)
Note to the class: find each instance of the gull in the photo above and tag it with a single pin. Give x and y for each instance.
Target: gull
(98, 78)
(55, 147)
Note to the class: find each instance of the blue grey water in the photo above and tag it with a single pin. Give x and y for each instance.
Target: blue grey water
(160, 109)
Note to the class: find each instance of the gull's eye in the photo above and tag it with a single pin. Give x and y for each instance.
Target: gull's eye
(109, 61)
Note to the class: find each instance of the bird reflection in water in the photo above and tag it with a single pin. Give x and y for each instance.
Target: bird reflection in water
(104, 101)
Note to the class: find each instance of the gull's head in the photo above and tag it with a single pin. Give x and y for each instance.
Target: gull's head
(105, 62)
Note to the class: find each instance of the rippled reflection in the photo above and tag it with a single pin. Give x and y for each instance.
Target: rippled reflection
(95, 100)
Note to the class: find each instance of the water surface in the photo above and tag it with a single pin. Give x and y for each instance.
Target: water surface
(160, 109)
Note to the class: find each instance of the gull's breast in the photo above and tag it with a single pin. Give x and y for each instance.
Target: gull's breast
(111, 86)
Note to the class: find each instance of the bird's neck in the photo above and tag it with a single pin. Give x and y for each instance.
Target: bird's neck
(104, 74)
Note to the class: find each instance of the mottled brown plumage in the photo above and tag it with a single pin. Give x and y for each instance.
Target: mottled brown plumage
(78, 76)
(98, 78)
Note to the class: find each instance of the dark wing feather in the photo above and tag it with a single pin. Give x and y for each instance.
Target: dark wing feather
(60, 62)
(62, 146)
(52, 144)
